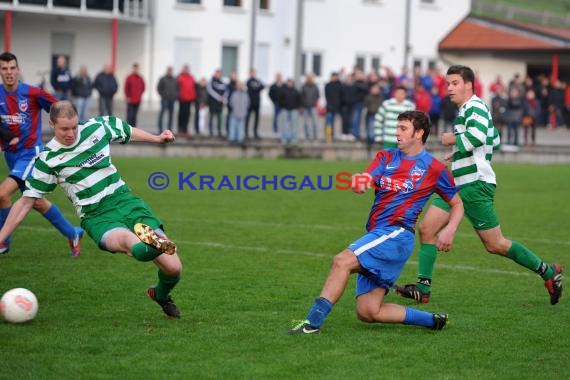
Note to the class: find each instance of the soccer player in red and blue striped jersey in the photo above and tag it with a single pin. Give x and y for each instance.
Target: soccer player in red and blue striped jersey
(20, 120)
(403, 180)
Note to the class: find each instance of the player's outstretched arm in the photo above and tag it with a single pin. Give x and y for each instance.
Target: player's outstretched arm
(17, 213)
(445, 237)
(140, 135)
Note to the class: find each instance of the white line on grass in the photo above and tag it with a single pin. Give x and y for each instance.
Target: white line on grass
(315, 254)
(213, 244)
(341, 227)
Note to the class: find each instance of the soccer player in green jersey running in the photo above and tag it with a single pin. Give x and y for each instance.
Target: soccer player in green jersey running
(473, 142)
(78, 159)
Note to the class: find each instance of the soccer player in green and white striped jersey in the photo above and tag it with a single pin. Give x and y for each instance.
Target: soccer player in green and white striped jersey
(78, 158)
(386, 119)
(473, 142)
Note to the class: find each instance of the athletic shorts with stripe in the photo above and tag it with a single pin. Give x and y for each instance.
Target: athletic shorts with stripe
(382, 252)
(478, 202)
(118, 211)
(21, 163)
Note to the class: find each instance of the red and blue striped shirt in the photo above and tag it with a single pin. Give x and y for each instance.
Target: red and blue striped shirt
(403, 184)
(20, 115)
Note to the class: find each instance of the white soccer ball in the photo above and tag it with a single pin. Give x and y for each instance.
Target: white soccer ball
(18, 305)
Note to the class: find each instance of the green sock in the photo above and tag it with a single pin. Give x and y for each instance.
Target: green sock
(165, 285)
(526, 258)
(144, 252)
(427, 256)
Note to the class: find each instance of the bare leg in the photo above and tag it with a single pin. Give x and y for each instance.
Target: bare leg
(494, 241)
(370, 308)
(433, 221)
(343, 265)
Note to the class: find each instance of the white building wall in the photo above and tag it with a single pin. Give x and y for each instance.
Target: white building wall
(91, 45)
(211, 24)
(430, 23)
(486, 68)
(276, 28)
(344, 29)
(337, 29)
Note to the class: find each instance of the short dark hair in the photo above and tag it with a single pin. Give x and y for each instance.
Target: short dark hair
(7, 57)
(465, 72)
(400, 87)
(419, 119)
(63, 108)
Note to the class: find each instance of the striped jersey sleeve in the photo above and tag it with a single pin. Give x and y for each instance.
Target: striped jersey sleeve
(83, 170)
(476, 137)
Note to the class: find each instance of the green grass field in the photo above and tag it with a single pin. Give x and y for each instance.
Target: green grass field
(558, 7)
(550, 13)
(255, 260)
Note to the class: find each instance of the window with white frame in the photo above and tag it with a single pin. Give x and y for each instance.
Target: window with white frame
(229, 59)
(312, 62)
(232, 3)
(375, 63)
(189, 1)
(367, 62)
(360, 62)
(264, 5)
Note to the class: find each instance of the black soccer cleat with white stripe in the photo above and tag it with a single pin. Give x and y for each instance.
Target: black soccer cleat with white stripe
(439, 321)
(413, 292)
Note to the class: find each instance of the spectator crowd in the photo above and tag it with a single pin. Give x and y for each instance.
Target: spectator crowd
(353, 106)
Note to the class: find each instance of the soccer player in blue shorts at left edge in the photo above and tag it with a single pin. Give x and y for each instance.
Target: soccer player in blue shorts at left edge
(21, 124)
(403, 180)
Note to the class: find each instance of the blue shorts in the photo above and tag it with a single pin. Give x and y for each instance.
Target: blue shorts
(21, 162)
(383, 253)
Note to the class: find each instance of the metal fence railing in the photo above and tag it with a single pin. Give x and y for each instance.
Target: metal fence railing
(502, 10)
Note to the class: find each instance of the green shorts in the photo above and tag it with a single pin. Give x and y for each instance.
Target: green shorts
(478, 201)
(118, 211)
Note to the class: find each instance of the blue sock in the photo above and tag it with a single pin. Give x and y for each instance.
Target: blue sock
(418, 318)
(3, 215)
(321, 308)
(58, 220)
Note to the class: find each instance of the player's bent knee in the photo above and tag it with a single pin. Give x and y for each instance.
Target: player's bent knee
(339, 262)
(499, 248)
(5, 197)
(365, 316)
(427, 232)
(171, 265)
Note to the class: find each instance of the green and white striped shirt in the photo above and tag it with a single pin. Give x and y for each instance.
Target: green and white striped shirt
(475, 137)
(84, 169)
(386, 119)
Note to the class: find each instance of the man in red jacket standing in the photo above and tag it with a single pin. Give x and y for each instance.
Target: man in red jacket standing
(134, 88)
(186, 96)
